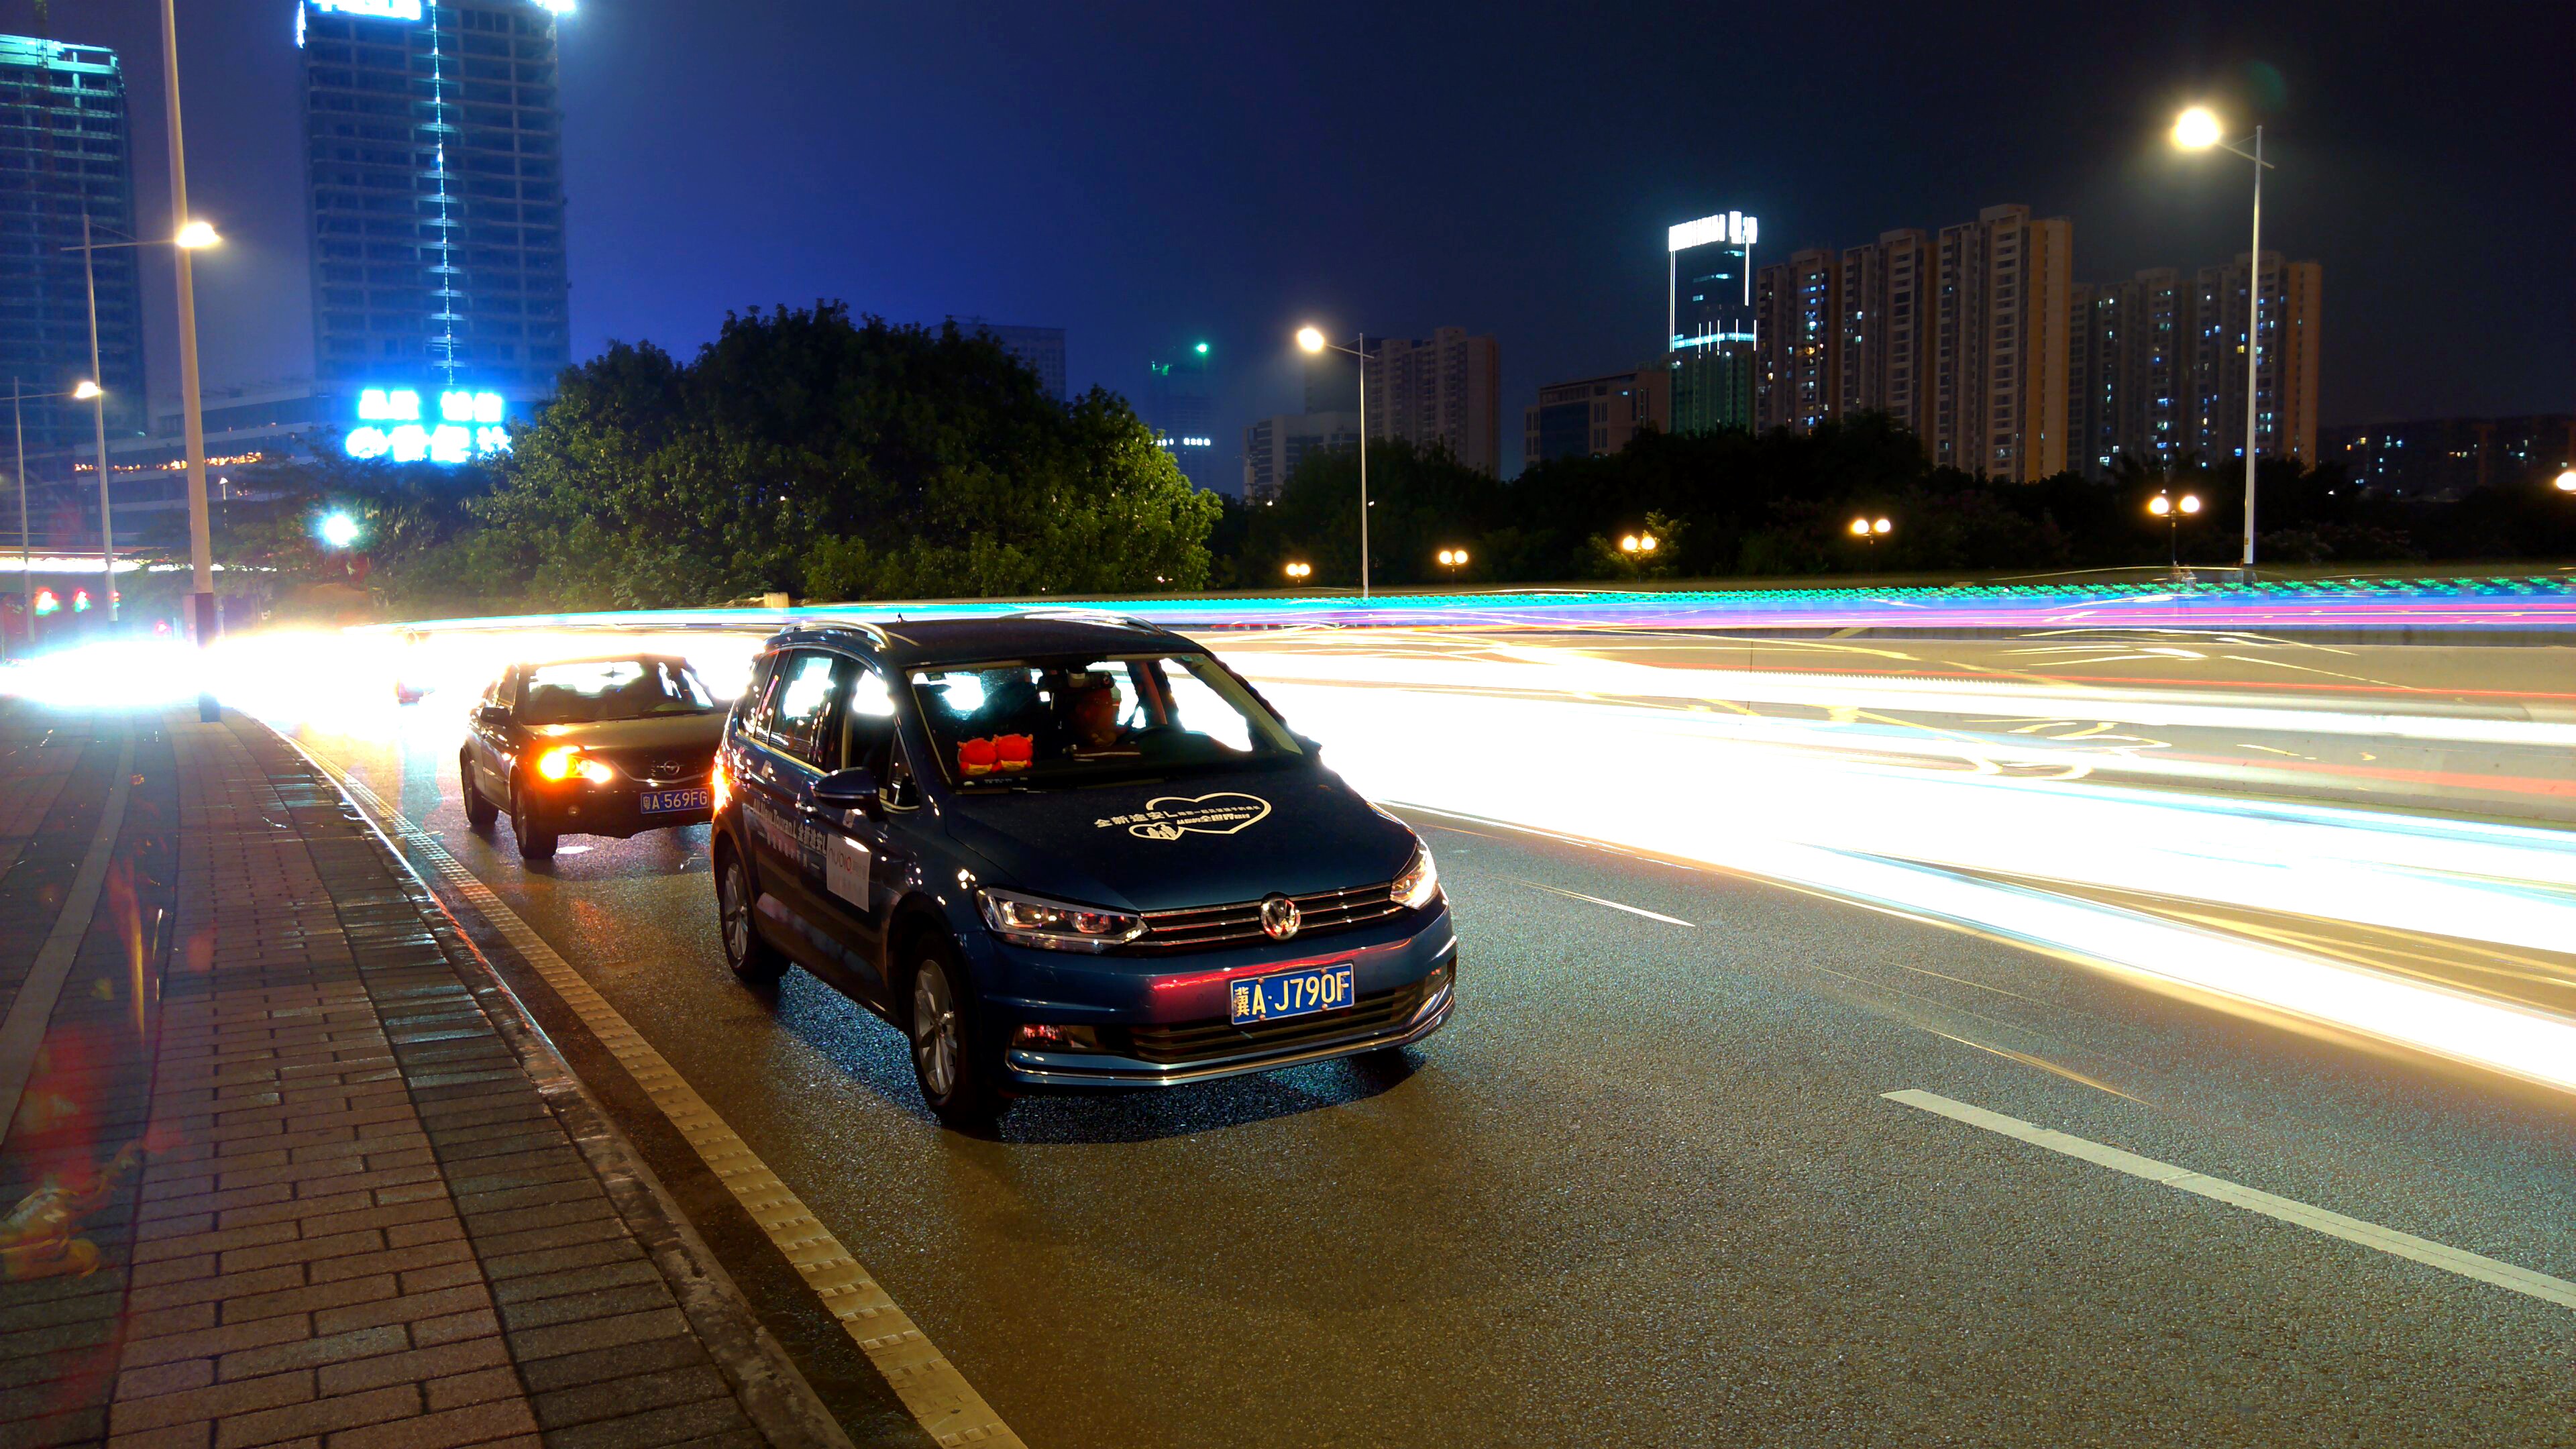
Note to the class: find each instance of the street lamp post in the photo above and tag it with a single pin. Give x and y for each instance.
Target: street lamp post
(2172, 511)
(2565, 482)
(201, 554)
(1313, 340)
(2198, 130)
(26, 557)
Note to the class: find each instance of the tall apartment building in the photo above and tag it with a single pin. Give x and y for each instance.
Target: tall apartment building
(1274, 446)
(2000, 373)
(1444, 390)
(1180, 404)
(1594, 416)
(1710, 372)
(2098, 363)
(1042, 348)
(433, 150)
(64, 154)
(1885, 329)
(2154, 417)
(2286, 382)
(1797, 307)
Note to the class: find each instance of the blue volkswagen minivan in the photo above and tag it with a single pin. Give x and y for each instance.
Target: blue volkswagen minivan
(1065, 850)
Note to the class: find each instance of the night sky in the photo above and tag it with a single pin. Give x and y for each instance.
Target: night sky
(1145, 176)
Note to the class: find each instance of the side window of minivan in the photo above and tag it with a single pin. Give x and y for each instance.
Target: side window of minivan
(798, 714)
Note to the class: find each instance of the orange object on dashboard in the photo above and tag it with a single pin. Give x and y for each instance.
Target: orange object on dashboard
(975, 757)
(1013, 753)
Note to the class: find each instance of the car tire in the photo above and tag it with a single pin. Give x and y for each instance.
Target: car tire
(752, 959)
(535, 842)
(480, 812)
(957, 1079)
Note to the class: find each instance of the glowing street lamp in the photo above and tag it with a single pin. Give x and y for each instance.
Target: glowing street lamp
(2198, 129)
(2566, 481)
(1298, 572)
(2173, 511)
(196, 234)
(87, 390)
(1639, 543)
(338, 530)
(1453, 558)
(1313, 340)
(1870, 530)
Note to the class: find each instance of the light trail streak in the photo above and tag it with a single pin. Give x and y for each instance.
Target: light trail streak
(1677, 762)
(1678, 786)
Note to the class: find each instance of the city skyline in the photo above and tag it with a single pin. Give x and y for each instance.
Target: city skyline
(1123, 263)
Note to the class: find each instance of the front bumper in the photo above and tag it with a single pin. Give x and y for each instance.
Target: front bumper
(1158, 1026)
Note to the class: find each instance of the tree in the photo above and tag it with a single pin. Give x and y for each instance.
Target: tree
(803, 451)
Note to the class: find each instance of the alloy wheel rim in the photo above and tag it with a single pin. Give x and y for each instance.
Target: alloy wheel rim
(934, 1031)
(730, 913)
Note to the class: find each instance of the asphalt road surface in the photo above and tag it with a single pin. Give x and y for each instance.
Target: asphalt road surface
(1648, 1187)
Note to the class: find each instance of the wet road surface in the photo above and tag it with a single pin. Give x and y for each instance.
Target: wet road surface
(1646, 1186)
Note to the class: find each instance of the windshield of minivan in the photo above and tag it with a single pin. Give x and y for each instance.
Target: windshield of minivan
(1068, 720)
(594, 690)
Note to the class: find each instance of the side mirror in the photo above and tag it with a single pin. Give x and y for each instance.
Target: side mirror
(847, 790)
(494, 715)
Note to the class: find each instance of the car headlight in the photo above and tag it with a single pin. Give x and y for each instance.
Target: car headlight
(1419, 884)
(1055, 925)
(565, 761)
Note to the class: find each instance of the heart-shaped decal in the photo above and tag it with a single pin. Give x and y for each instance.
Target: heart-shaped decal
(1169, 817)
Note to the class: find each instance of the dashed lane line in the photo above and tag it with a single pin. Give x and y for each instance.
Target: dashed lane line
(929, 1385)
(1603, 901)
(2219, 1189)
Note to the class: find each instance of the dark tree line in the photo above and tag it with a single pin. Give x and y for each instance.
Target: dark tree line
(1782, 504)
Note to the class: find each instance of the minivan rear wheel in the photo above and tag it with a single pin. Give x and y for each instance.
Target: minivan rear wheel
(752, 959)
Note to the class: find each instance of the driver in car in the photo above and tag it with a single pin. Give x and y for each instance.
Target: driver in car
(1091, 719)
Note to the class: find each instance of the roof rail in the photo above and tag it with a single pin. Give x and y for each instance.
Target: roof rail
(862, 625)
(1087, 616)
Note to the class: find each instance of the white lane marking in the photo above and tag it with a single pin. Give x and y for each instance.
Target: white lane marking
(1598, 901)
(2219, 1189)
(23, 1032)
(946, 1406)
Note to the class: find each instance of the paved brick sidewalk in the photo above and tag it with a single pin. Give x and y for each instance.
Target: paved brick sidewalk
(288, 1167)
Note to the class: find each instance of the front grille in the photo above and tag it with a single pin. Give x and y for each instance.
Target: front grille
(1204, 928)
(637, 763)
(1201, 1041)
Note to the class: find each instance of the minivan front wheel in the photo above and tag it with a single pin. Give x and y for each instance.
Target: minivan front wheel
(956, 1080)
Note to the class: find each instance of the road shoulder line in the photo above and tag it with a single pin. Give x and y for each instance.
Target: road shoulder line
(2218, 1189)
(32, 1009)
(938, 1396)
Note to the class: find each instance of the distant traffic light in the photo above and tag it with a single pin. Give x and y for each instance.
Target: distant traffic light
(47, 602)
(80, 601)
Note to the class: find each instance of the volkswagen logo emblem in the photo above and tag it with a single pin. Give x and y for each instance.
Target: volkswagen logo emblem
(1279, 918)
(666, 769)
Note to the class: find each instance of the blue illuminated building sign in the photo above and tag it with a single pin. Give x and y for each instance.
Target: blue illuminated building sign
(468, 425)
